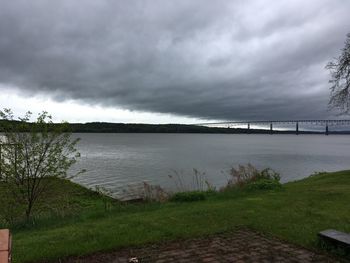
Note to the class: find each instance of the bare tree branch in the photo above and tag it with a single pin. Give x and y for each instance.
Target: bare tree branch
(340, 79)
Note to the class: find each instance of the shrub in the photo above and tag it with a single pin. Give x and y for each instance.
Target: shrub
(189, 196)
(248, 174)
(270, 174)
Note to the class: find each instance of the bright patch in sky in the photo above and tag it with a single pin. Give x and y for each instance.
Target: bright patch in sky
(74, 111)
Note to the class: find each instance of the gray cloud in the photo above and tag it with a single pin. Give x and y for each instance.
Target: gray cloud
(207, 59)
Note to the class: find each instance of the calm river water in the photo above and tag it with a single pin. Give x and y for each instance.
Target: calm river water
(117, 160)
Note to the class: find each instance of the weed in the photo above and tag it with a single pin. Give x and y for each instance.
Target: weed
(193, 182)
(154, 193)
(105, 196)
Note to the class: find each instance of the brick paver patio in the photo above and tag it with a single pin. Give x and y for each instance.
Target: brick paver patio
(242, 245)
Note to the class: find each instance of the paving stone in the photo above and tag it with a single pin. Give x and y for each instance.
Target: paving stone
(242, 245)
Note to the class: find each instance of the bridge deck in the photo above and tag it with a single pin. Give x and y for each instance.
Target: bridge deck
(313, 122)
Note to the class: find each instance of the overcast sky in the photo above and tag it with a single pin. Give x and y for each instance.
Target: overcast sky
(162, 61)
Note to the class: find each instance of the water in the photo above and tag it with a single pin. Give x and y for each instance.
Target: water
(114, 161)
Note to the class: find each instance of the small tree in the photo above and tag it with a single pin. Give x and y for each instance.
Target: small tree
(340, 79)
(32, 153)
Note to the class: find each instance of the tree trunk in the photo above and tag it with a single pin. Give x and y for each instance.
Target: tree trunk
(28, 211)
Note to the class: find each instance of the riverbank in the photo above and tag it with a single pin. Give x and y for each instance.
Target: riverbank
(295, 213)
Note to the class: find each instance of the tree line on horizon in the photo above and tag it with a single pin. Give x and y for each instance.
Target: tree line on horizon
(107, 127)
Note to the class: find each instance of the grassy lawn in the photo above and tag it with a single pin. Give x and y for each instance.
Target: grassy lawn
(295, 213)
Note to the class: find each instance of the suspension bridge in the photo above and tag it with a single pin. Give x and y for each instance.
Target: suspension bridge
(326, 124)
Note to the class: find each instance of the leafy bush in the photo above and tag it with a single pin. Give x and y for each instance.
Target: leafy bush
(270, 174)
(248, 174)
(264, 184)
(189, 196)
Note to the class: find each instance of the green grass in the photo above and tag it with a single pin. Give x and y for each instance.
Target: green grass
(295, 213)
(190, 196)
(64, 198)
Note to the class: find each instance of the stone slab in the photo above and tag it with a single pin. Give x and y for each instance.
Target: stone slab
(336, 236)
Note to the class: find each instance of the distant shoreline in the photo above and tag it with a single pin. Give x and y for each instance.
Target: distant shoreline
(104, 127)
(107, 127)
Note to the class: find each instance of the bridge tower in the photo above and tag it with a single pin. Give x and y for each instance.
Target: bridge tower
(297, 128)
(271, 128)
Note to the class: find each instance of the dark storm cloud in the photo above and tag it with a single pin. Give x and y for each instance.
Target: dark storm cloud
(209, 59)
